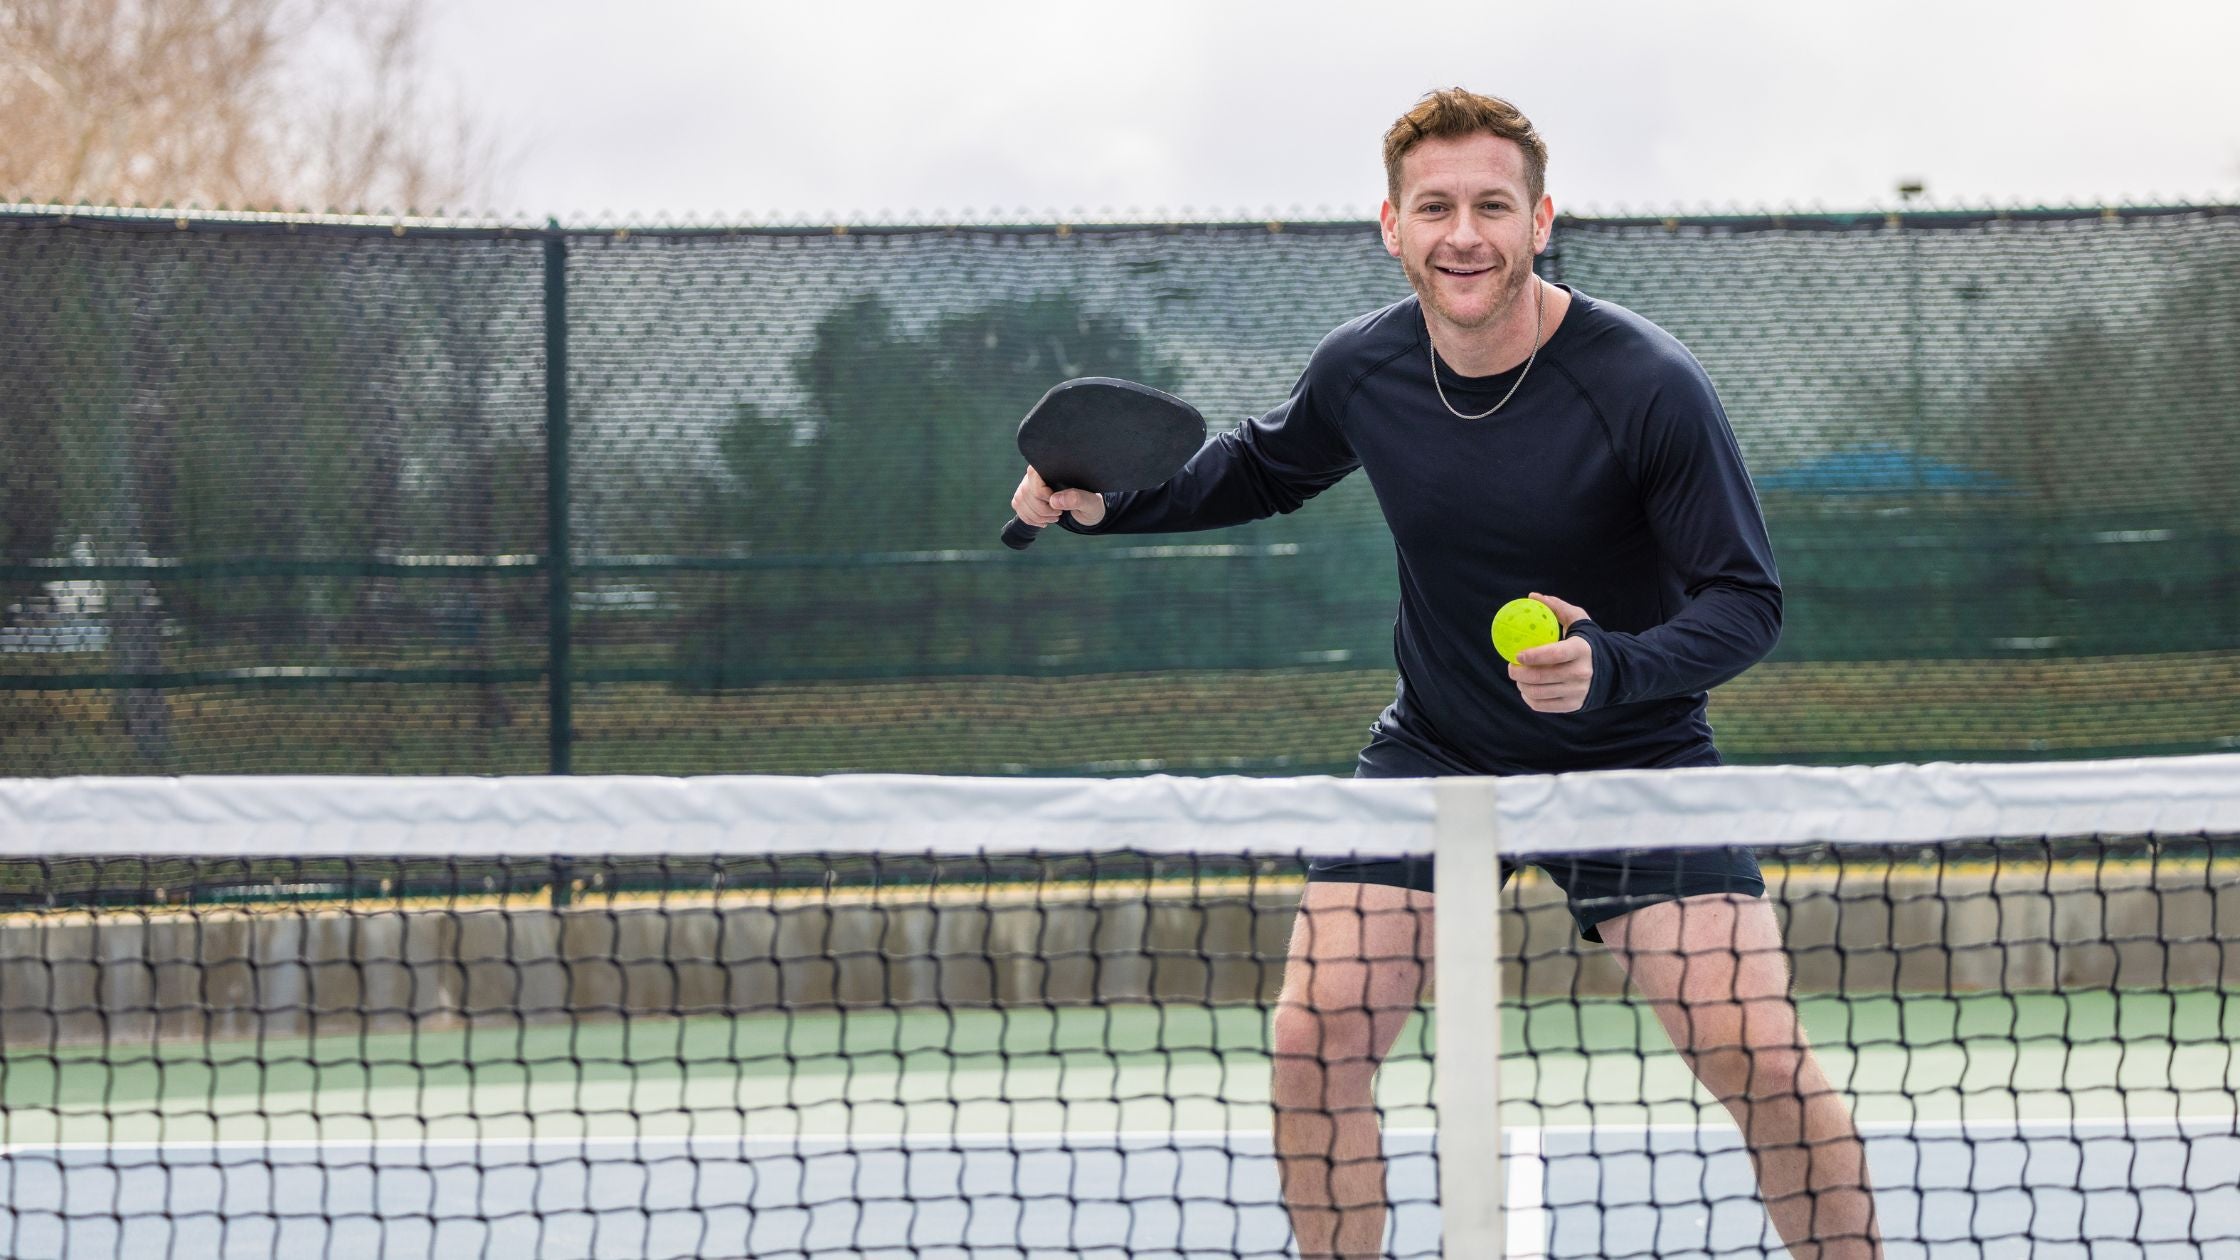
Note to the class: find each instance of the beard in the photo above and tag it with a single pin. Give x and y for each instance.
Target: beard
(1509, 289)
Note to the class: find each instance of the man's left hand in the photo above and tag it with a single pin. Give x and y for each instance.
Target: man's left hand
(1554, 678)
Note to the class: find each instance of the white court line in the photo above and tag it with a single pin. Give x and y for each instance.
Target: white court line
(1526, 1194)
(2229, 1121)
(1527, 1140)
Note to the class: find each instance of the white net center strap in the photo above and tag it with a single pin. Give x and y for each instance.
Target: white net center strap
(535, 815)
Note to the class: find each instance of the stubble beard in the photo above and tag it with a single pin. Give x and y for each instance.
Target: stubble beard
(1423, 279)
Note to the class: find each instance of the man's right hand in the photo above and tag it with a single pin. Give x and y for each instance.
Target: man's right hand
(1035, 503)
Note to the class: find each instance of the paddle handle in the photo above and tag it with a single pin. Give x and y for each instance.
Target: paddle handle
(1019, 535)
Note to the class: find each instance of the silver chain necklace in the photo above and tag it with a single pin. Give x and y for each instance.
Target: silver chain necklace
(1539, 309)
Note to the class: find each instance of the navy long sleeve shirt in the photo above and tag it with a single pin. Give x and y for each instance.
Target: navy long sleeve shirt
(1611, 479)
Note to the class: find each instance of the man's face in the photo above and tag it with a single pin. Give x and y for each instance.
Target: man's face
(1463, 229)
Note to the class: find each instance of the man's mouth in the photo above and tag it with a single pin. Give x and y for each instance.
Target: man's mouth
(1465, 271)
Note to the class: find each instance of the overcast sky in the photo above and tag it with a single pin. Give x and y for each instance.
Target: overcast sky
(752, 110)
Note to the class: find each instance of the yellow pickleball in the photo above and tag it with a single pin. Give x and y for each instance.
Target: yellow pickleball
(1521, 624)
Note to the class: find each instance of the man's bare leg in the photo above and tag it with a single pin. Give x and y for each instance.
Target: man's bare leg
(1717, 974)
(1359, 953)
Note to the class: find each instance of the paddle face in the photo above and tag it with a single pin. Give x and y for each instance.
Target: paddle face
(1101, 433)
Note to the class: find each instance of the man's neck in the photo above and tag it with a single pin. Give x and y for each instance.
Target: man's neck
(1509, 341)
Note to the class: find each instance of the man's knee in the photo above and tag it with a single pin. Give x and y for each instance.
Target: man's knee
(1750, 1073)
(1753, 1051)
(1322, 1058)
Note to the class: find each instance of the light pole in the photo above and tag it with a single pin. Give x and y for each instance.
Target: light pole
(1908, 189)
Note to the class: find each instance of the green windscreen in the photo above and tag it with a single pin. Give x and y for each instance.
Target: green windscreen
(283, 497)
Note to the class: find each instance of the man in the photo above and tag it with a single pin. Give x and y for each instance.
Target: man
(1523, 437)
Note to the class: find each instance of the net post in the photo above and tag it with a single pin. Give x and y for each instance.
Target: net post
(1466, 844)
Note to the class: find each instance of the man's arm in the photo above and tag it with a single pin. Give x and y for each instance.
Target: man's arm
(1263, 467)
(1700, 505)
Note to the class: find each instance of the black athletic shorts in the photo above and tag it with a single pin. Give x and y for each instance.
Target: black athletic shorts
(1599, 886)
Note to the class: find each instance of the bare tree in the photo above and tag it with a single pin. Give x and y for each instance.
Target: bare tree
(320, 104)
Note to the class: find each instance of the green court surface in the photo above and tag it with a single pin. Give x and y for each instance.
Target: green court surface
(1140, 1068)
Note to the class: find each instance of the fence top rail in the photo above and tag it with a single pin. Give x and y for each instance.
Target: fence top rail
(24, 216)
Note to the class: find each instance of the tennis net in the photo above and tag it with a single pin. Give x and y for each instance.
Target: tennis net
(891, 1016)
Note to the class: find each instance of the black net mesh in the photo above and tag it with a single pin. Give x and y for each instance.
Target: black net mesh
(1086, 1054)
(276, 496)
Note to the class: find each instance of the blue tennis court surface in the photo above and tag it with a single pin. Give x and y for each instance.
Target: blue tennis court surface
(2157, 1189)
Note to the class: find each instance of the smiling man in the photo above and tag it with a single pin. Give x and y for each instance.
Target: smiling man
(1522, 436)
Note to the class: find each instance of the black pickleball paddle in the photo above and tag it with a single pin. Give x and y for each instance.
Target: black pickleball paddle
(1101, 433)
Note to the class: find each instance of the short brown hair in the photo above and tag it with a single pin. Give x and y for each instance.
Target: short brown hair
(1452, 113)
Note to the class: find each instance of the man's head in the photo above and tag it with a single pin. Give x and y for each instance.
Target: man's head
(1467, 207)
